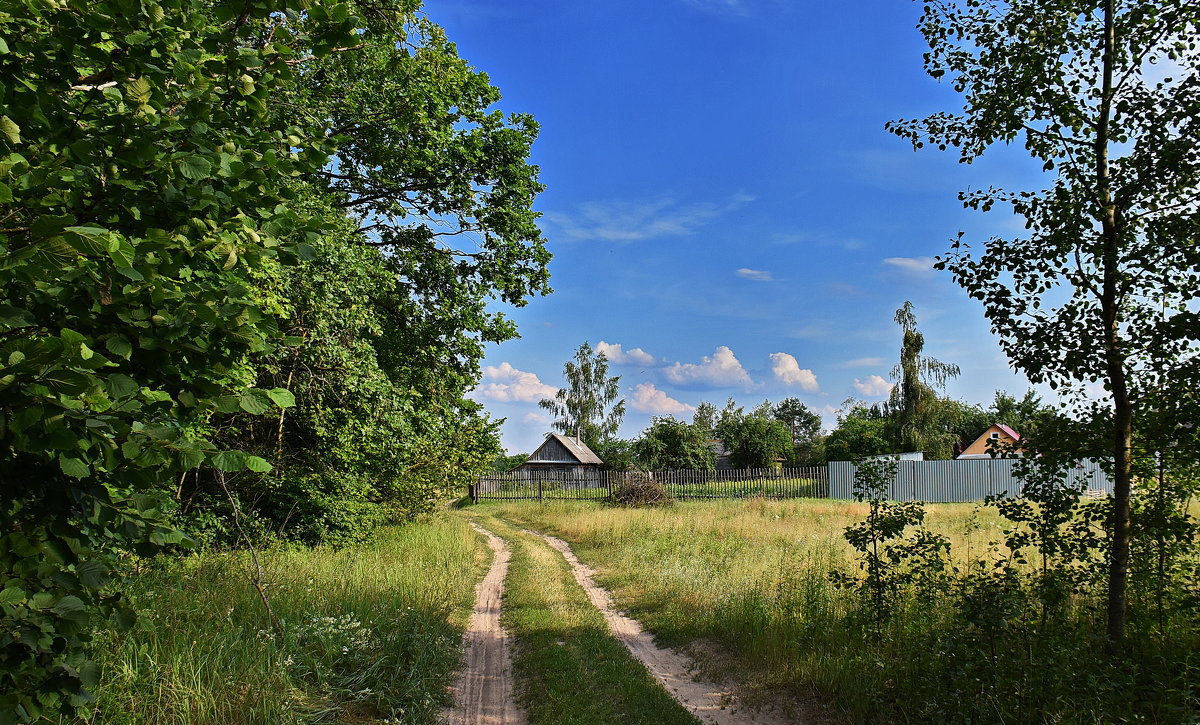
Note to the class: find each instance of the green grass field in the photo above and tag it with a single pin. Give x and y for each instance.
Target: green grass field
(369, 634)
(745, 585)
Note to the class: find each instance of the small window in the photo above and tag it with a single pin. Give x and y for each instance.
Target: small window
(995, 436)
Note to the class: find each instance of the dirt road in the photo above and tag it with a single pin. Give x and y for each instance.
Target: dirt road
(710, 703)
(483, 694)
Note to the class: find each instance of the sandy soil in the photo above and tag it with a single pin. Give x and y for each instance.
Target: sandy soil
(710, 703)
(483, 693)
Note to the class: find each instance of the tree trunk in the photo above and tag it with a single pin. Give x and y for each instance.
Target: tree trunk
(1122, 421)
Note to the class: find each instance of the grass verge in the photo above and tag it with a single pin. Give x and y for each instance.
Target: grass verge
(568, 668)
(369, 633)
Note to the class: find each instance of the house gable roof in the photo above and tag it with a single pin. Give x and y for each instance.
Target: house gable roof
(978, 446)
(577, 449)
(1009, 431)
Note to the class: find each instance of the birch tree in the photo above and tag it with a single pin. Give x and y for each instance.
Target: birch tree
(1103, 286)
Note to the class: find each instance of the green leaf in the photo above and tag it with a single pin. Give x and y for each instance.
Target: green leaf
(282, 397)
(121, 386)
(229, 461)
(120, 251)
(16, 317)
(71, 608)
(195, 168)
(119, 345)
(10, 130)
(92, 573)
(190, 458)
(73, 467)
(67, 382)
(12, 595)
(88, 240)
(259, 465)
(138, 90)
(254, 402)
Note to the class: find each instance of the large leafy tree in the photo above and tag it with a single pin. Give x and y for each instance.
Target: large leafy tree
(861, 431)
(754, 440)
(590, 406)
(675, 444)
(164, 170)
(1103, 287)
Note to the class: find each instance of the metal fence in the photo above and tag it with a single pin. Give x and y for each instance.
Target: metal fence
(959, 481)
(812, 482)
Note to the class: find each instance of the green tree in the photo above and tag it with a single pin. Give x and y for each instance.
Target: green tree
(756, 441)
(164, 169)
(1020, 414)
(705, 418)
(590, 406)
(805, 426)
(916, 411)
(1103, 287)
(861, 432)
(670, 444)
(392, 313)
(143, 185)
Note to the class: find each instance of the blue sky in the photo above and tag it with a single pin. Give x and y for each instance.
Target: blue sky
(727, 213)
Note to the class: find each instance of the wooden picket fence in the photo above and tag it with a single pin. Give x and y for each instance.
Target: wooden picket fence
(810, 482)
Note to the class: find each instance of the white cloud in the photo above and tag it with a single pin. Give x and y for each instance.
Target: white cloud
(649, 399)
(509, 385)
(788, 371)
(758, 275)
(535, 417)
(873, 387)
(623, 221)
(863, 362)
(721, 370)
(618, 356)
(921, 266)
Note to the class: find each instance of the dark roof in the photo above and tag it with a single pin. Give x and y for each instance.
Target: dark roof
(578, 449)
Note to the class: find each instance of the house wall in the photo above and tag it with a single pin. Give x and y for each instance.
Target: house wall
(979, 447)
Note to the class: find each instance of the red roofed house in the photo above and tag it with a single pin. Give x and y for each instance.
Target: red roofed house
(1002, 434)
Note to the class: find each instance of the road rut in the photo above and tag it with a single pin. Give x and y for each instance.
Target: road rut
(483, 694)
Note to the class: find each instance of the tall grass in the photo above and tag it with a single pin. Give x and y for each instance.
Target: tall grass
(366, 633)
(746, 585)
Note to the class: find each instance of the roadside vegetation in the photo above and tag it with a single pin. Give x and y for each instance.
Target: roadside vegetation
(369, 633)
(747, 586)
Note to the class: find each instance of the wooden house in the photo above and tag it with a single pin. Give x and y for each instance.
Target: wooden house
(998, 432)
(561, 457)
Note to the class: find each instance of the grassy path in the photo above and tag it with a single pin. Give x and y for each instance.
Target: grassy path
(568, 668)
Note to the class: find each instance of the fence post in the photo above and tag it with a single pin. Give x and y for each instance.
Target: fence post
(471, 492)
(539, 490)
